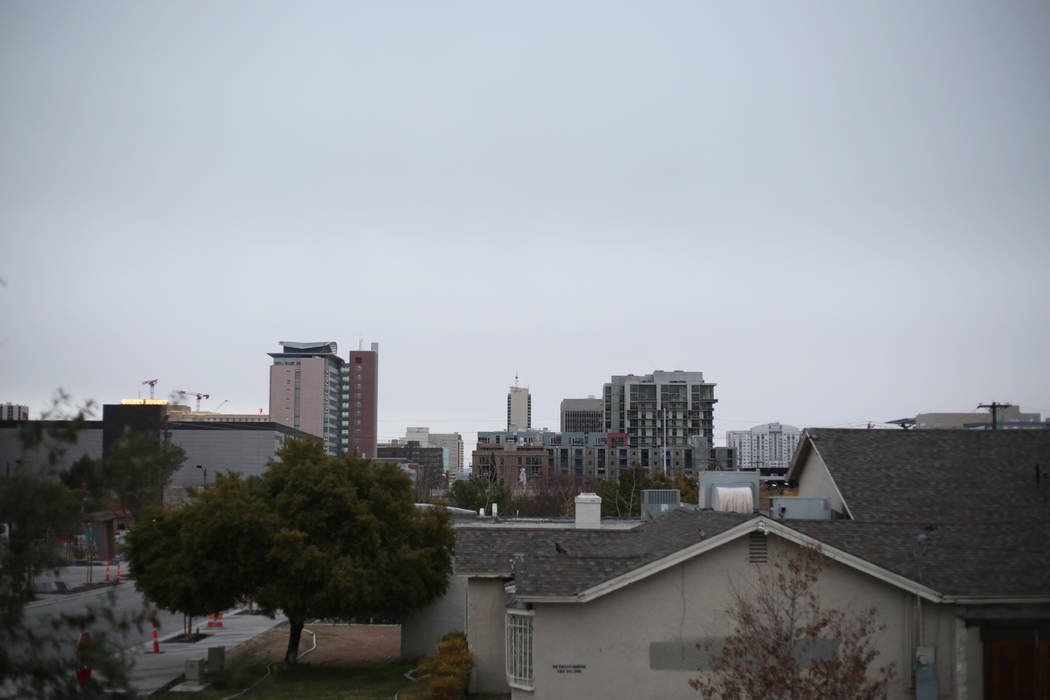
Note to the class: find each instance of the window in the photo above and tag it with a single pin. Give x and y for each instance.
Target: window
(519, 648)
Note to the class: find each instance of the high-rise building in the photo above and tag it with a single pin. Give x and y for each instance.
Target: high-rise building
(581, 415)
(519, 408)
(361, 389)
(669, 409)
(451, 443)
(767, 448)
(306, 380)
(660, 413)
(316, 391)
(11, 411)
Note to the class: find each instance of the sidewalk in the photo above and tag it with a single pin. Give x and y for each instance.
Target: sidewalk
(151, 672)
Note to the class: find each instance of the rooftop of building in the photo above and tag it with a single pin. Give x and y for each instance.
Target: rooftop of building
(294, 347)
(660, 376)
(973, 508)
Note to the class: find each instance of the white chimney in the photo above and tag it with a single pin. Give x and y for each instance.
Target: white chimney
(588, 511)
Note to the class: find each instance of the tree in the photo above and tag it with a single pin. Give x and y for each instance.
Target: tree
(350, 541)
(553, 499)
(622, 498)
(688, 487)
(480, 492)
(316, 536)
(138, 467)
(38, 659)
(209, 555)
(37, 511)
(785, 645)
(83, 475)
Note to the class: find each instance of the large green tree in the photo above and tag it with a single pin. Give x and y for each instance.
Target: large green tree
(351, 542)
(138, 466)
(207, 556)
(317, 536)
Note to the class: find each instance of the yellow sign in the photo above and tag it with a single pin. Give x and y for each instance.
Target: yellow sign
(144, 402)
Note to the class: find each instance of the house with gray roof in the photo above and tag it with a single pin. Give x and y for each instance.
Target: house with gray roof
(946, 533)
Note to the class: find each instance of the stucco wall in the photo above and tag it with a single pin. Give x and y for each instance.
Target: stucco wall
(607, 648)
(974, 662)
(421, 631)
(815, 481)
(486, 602)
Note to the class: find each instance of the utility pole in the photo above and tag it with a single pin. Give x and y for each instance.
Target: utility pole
(994, 407)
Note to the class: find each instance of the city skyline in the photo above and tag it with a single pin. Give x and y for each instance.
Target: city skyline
(838, 215)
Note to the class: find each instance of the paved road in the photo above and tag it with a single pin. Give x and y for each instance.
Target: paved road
(150, 671)
(126, 600)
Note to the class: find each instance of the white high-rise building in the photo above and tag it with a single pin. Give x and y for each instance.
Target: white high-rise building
(519, 408)
(14, 411)
(767, 448)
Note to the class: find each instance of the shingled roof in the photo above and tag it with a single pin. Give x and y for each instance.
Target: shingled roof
(970, 560)
(930, 476)
(591, 556)
(973, 497)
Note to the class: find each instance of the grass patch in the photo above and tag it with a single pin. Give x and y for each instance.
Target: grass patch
(415, 691)
(305, 682)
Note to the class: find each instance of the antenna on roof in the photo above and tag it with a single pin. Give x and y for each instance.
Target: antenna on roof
(361, 343)
(515, 379)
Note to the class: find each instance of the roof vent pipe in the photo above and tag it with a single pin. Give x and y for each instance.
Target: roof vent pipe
(588, 511)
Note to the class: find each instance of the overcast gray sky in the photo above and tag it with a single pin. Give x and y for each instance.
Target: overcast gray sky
(838, 211)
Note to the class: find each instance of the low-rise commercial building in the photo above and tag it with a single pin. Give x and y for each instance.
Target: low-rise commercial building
(217, 447)
(524, 468)
(580, 456)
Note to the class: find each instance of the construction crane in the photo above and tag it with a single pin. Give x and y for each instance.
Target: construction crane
(152, 383)
(199, 396)
(224, 402)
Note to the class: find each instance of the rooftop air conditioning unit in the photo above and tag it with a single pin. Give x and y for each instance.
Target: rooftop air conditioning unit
(656, 502)
(725, 491)
(799, 508)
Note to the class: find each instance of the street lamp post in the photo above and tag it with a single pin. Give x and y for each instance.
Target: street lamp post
(204, 473)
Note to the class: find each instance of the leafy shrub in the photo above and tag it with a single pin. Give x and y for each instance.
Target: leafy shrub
(448, 671)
